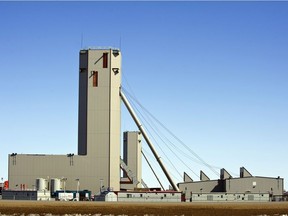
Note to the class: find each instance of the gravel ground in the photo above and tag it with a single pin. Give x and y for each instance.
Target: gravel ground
(49, 208)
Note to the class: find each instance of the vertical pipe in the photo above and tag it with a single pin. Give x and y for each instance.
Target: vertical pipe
(141, 128)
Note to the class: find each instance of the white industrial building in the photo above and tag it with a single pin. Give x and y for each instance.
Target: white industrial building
(140, 196)
(149, 196)
(228, 197)
(26, 195)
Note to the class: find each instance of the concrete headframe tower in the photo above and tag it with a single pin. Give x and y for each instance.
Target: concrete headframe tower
(97, 163)
(99, 112)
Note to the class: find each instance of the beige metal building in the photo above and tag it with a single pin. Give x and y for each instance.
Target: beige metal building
(245, 184)
(97, 164)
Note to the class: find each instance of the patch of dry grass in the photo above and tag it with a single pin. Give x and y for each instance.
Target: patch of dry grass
(137, 209)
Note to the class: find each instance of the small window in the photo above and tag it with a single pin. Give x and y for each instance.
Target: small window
(95, 78)
(105, 60)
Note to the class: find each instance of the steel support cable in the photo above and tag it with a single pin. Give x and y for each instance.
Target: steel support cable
(180, 150)
(151, 135)
(177, 148)
(129, 86)
(185, 154)
(179, 176)
(157, 131)
(175, 137)
(147, 139)
(152, 170)
(153, 128)
(151, 158)
(175, 177)
(134, 99)
(142, 118)
(126, 80)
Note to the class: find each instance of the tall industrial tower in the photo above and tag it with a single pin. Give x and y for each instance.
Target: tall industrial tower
(99, 111)
(98, 161)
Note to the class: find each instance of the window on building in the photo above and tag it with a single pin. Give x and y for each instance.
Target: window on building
(105, 60)
(95, 78)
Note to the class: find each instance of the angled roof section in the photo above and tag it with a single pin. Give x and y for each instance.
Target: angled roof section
(244, 173)
(224, 174)
(203, 176)
(187, 178)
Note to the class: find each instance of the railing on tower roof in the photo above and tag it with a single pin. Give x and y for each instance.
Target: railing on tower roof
(100, 48)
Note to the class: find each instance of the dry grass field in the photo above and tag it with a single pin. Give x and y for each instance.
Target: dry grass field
(118, 208)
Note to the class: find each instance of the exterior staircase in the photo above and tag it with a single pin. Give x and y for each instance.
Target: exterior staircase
(131, 176)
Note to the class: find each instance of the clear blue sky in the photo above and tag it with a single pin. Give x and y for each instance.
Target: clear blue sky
(215, 73)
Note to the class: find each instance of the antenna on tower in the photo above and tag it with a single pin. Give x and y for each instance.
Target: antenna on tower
(120, 43)
(81, 40)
